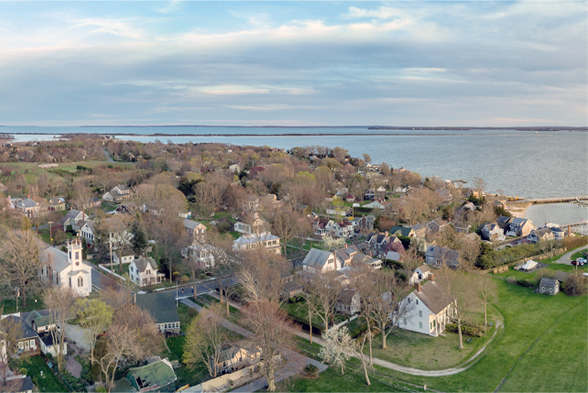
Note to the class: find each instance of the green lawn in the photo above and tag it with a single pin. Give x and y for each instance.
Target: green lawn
(186, 315)
(33, 303)
(331, 380)
(46, 383)
(427, 352)
(185, 375)
(557, 361)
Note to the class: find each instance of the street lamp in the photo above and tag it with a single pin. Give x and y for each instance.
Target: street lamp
(50, 234)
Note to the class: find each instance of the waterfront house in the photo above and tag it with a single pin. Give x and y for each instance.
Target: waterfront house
(492, 232)
(520, 226)
(543, 234)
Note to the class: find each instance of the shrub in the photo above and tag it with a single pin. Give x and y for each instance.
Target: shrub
(525, 283)
(35, 381)
(575, 285)
(468, 329)
(184, 279)
(22, 371)
(310, 371)
(511, 280)
(570, 242)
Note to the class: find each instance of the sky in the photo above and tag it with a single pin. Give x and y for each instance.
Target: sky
(401, 63)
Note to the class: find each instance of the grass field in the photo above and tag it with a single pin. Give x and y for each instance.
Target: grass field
(426, 352)
(47, 382)
(552, 328)
(184, 374)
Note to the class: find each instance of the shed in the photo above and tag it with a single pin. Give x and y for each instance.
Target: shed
(549, 286)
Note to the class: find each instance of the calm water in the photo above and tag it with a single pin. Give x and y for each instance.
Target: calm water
(521, 163)
(558, 213)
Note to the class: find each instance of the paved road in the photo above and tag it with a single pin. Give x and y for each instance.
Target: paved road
(566, 259)
(108, 157)
(101, 280)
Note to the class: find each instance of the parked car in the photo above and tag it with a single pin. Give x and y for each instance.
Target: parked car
(574, 262)
(581, 261)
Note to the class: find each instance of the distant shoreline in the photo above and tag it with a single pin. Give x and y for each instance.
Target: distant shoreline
(372, 127)
(158, 135)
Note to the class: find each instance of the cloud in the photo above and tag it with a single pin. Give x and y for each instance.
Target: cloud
(170, 7)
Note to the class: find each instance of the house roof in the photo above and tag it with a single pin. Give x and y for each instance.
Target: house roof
(404, 231)
(442, 253)
(548, 282)
(56, 201)
(71, 215)
(503, 220)
(142, 263)
(346, 296)
(434, 297)
(424, 268)
(561, 276)
(17, 385)
(316, 258)
(161, 306)
(255, 238)
(27, 203)
(518, 221)
(542, 232)
(152, 376)
(40, 317)
(291, 286)
(27, 331)
(190, 224)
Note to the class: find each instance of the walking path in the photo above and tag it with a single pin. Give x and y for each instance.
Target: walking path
(566, 259)
(398, 367)
(71, 364)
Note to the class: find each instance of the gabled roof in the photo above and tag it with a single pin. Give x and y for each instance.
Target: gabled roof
(27, 203)
(434, 297)
(255, 238)
(548, 282)
(17, 385)
(56, 201)
(27, 331)
(190, 224)
(404, 231)
(41, 318)
(142, 263)
(71, 215)
(503, 220)
(346, 296)
(54, 257)
(161, 306)
(518, 221)
(316, 258)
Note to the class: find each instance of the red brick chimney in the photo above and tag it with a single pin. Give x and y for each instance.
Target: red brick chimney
(417, 286)
(432, 277)
(569, 230)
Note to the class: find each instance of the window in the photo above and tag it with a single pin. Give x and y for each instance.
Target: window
(420, 325)
(420, 313)
(77, 255)
(80, 281)
(550, 290)
(70, 282)
(20, 345)
(148, 272)
(33, 344)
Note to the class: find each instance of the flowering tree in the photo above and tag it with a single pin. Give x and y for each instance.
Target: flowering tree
(338, 348)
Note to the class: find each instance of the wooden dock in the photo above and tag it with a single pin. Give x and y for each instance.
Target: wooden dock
(557, 200)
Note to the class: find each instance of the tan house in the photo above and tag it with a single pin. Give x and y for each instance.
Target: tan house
(56, 204)
(249, 223)
(29, 207)
(196, 230)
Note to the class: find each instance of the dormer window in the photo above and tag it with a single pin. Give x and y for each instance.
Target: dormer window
(148, 272)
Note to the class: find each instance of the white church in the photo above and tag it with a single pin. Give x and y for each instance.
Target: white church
(67, 270)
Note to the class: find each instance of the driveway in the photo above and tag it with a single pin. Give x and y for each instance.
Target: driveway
(71, 364)
(566, 259)
(76, 335)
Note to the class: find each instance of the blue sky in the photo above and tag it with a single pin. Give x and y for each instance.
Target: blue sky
(477, 63)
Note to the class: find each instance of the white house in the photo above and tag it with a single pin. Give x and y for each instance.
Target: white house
(87, 231)
(67, 270)
(319, 260)
(249, 223)
(348, 302)
(258, 240)
(431, 309)
(200, 253)
(117, 194)
(143, 271)
(419, 274)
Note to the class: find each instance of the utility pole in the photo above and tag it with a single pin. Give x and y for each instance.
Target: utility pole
(111, 261)
(50, 234)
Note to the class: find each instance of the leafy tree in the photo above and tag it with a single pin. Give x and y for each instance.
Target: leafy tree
(94, 316)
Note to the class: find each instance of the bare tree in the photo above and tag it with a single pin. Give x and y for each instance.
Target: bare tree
(59, 302)
(10, 333)
(204, 340)
(133, 336)
(284, 223)
(272, 335)
(469, 251)
(480, 185)
(460, 286)
(223, 261)
(411, 259)
(19, 262)
(260, 275)
(118, 235)
(486, 292)
(322, 293)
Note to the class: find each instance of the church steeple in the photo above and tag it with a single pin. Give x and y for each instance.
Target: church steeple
(74, 255)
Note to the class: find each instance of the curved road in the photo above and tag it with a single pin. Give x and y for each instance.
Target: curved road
(566, 259)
